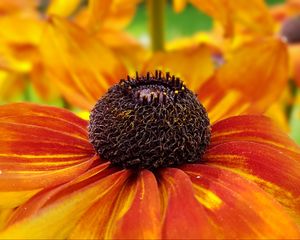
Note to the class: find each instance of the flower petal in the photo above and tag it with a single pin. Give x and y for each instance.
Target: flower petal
(251, 79)
(270, 168)
(143, 217)
(11, 6)
(20, 56)
(239, 208)
(96, 13)
(179, 5)
(184, 217)
(54, 213)
(294, 51)
(10, 85)
(251, 128)
(4, 215)
(278, 111)
(125, 47)
(107, 14)
(185, 63)
(62, 8)
(219, 10)
(12, 199)
(79, 72)
(120, 13)
(41, 146)
(254, 15)
(134, 213)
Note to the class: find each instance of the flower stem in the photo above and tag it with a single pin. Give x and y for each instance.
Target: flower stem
(156, 23)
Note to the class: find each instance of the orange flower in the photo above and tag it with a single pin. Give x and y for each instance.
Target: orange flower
(253, 20)
(235, 81)
(24, 28)
(100, 52)
(246, 184)
(20, 30)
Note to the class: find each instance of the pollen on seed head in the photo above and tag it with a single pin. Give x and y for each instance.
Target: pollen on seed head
(149, 121)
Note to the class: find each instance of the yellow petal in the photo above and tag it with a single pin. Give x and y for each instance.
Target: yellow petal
(62, 7)
(11, 85)
(294, 54)
(4, 215)
(58, 218)
(132, 53)
(193, 64)
(133, 213)
(252, 15)
(97, 11)
(107, 14)
(179, 5)
(251, 79)
(84, 69)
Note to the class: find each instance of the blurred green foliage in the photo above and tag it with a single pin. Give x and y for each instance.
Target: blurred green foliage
(272, 2)
(295, 120)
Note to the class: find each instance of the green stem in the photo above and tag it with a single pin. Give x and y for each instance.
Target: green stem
(156, 23)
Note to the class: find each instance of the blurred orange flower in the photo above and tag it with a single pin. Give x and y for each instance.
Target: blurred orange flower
(20, 31)
(254, 20)
(253, 63)
(24, 29)
(54, 185)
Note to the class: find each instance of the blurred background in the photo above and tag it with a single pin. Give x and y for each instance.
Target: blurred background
(178, 26)
(183, 24)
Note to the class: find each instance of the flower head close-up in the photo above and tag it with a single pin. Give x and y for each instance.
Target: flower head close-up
(148, 164)
(155, 119)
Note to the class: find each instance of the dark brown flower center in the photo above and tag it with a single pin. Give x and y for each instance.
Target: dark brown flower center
(149, 122)
(291, 30)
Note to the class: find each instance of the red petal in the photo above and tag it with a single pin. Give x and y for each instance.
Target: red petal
(41, 146)
(143, 217)
(131, 213)
(237, 207)
(252, 128)
(184, 217)
(270, 168)
(48, 196)
(13, 112)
